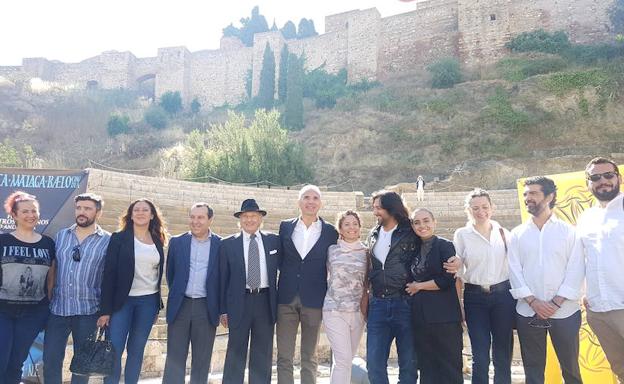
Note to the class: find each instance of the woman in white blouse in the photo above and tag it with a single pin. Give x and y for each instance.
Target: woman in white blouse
(489, 307)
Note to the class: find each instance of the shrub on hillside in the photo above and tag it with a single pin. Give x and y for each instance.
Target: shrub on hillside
(156, 117)
(540, 41)
(500, 111)
(445, 73)
(244, 152)
(517, 69)
(171, 102)
(195, 106)
(117, 124)
(11, 155)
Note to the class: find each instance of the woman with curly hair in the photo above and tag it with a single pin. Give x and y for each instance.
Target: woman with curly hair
(131, 296)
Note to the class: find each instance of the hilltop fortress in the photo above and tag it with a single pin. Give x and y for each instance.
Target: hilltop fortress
(367, 45)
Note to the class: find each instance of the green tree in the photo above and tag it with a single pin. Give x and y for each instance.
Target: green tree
(249, 27)
(289, 30)
(266, 91)
(12, 155)
(117, 124)
(445, 73)
(238, 151)
(171, 102)
(306, 29)
(156, 117)
(617, 17)
(195, 106)
(293, 114)
(248, 83)
(282, 78)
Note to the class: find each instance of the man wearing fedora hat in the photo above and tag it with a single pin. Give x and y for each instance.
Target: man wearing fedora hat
(248, 267)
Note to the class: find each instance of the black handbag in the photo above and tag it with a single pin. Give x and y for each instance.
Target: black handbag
(94, 357)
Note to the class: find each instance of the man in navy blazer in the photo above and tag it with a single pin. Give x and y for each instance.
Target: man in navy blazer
(193, 301)
(302, 285)
(248, 267)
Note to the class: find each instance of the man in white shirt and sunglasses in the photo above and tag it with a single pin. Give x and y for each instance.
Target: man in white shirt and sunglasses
(600, 241)
(546, 279)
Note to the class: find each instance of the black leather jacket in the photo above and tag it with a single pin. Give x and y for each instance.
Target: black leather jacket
(389, 279)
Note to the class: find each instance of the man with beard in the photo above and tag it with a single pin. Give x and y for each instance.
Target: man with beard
(80, 251)
(392, 245)
(546, 279)
(600, 242)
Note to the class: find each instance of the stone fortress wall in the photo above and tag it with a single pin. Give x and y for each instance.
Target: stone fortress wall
(367, 45)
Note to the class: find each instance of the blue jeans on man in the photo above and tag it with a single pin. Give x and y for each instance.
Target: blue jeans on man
(18, 329)
(129, 329)
(390, 319)
(57, 333)
(490, 319)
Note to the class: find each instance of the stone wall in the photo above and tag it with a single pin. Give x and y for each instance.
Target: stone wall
(368, 46)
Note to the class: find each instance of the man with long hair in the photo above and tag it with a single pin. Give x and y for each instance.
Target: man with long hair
(392, 245)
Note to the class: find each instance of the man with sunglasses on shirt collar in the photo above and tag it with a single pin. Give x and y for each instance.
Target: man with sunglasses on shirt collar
(74, 307)
(600, 242)
(546, 279)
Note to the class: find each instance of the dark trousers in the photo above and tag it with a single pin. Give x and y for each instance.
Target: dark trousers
(191, 325)
(564, 334)
(56, 335)
(390, 319)
(256, 322)
(289, 316)
(18, 330)
(439, 349)
(129, 329)
(490, 318)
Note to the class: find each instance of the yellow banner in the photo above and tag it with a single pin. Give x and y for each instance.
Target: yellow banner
(573, 197)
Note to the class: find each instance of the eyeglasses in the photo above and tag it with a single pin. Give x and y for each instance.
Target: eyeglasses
(598, 176)
(536, 322)
(76, 253)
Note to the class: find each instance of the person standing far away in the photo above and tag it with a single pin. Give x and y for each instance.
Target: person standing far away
(193, 301)
(80, 255)
(420, 188)
(546, 279)
(600, 242)
(392, 246)
(302, 285)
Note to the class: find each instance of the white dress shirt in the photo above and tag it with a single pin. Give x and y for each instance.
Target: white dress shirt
(600, 242)
(305, 237)
(383, 243)
(541, 264)
(264, 276)
(484, 260)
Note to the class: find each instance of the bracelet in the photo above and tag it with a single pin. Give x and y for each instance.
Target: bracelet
(556, 305)
(531, 302)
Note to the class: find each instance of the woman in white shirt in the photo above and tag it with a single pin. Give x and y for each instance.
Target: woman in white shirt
(489, 307)
(131, 285)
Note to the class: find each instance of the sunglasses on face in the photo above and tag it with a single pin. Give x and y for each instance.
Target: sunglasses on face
(76, 253)
(598, 176)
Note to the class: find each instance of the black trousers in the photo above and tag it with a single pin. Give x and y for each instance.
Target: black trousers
(258, 324)
(190, 325)
(564, 334)
(439, 350)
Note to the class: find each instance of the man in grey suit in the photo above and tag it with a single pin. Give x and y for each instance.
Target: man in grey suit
(193, 301)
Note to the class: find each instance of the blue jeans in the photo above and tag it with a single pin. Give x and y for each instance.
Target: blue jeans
(129, 328)
(490, 318)
(57, 332)
(388, 319)
(18, 329)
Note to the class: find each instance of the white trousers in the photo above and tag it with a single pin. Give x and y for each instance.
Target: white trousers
(344, 331)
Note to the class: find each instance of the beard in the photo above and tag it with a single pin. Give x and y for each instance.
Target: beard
(607, 195)
(535, 209)
(84, 223)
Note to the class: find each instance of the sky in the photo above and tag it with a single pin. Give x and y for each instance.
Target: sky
(74, 30)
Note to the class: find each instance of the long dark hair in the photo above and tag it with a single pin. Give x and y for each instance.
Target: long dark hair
(393, 204)
(157, 225)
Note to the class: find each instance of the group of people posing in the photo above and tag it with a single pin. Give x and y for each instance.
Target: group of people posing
(404, 285)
